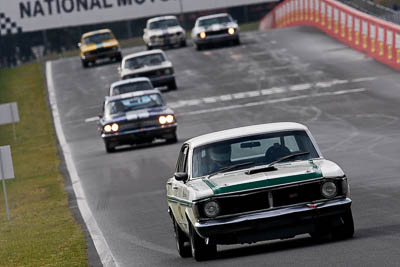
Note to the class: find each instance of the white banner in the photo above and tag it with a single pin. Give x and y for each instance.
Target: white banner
(6, 164)
(9, 113)
(32, 15)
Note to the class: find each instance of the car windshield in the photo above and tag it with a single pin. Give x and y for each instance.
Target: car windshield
(133, 103)
(147, 60)
(98, 38)
(256, 150)
(218, 20)
(161, 24)
(131, 87)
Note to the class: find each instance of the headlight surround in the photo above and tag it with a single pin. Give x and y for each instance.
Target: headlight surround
(231, 31)
(329, 189)
(111, 128)
(211, 209)
(169, 71)
(345, 187)
(166, 119)
(203, 35)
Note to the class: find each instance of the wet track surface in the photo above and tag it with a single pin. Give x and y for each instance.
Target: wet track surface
(350, 103)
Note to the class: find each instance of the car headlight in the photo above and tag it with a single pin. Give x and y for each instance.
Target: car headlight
(166, 119)
(211, 209)
(231, 31)
(203, 35)
(169, 71)
(329, 189)
(152, 38)
(86, 54)
(111, 128)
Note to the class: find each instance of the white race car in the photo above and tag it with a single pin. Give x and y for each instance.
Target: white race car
(216, 28)
(164, 31)
(151, 64)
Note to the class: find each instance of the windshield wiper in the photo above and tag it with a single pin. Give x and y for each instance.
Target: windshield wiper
(271, 167)
(230, 168)
(288, 157)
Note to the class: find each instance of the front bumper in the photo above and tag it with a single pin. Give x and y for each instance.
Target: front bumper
(162, 80)
(212, 39)
(275, 224)
(166, 41)
(140, 135)
(108, 54)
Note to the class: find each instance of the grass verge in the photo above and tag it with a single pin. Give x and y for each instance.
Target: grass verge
(42, 231)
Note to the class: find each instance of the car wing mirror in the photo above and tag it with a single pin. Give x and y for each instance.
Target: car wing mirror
(181, 176)
(79, 44)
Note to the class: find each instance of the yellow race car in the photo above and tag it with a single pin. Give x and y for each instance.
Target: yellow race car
(99, 45)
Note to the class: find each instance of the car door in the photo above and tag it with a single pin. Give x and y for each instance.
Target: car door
(179, 188)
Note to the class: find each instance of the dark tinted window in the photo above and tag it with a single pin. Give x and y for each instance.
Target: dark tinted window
(132, 87)
(98, 38)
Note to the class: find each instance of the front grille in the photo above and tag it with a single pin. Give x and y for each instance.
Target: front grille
(150, 74)
(244, 203)
(297, 194)
(101, 50)
(210, 33)
(134, 125)
(279, 197)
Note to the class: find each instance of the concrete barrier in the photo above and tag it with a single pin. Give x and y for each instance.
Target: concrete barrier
(375, 37)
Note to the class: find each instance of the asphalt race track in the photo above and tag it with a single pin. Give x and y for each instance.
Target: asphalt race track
(350, 102)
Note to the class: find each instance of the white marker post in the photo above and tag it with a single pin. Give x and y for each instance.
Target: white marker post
(9, 114)
(6, 171)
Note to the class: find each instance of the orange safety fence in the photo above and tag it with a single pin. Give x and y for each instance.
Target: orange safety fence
(377, 38)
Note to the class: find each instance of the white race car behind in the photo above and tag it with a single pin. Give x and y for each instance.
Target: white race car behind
(164, 31)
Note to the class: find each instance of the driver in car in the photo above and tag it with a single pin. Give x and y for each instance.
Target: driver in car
(220, 157)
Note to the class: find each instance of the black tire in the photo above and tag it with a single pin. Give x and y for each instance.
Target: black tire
(183, 43)
(200, 250)
(85, 64)
(118, 58)
(237, 41)
(346, 230)
(180, 239)
(172, 85)
(199, 47)
(173, 139)
(109, 148)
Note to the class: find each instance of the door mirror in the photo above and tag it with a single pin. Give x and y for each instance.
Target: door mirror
(181, 176)
(79, 44)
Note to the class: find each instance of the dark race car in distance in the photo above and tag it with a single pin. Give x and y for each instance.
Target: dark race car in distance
(134, 118)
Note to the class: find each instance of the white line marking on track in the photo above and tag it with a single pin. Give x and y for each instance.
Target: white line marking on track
(272, 101)
(99, 241)
(269, 91)
(366, 79)
(92, 119)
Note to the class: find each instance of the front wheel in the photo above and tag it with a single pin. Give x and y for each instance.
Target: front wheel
(109, 148)
(172, 85)
(346, 230)
(200, 249)
(173, 139)
(85, 64)
(180, 239)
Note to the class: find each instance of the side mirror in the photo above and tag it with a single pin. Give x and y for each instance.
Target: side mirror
(79, 44)
(119, 69)
(181, 176)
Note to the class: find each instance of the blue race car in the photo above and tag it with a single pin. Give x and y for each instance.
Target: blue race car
(137, 117)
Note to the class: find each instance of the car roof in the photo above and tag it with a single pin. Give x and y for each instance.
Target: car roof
(161, 18)
(245, 131)
(143, 53)
(95, 32)
(213, 16)
(132, 94)
(132, 80)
